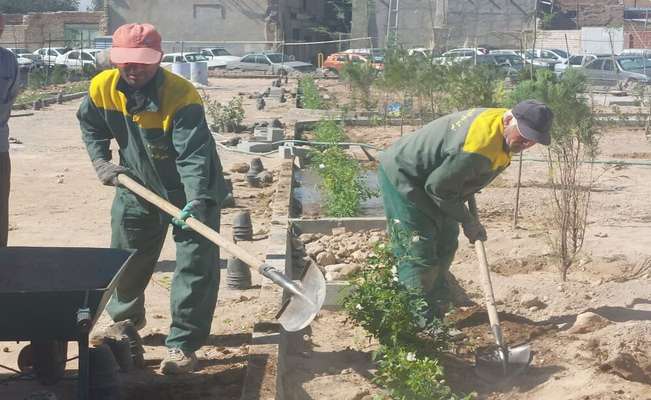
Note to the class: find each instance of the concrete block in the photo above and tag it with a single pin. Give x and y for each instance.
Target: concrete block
(285, 152)
(268, 134)
(276, 92)
(255, 147)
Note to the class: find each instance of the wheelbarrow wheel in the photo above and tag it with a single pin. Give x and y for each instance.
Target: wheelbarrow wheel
(49, 360)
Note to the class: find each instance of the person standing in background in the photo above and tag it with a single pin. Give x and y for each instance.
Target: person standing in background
(8, 93)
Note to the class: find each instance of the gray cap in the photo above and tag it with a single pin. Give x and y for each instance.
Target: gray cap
(534, 120)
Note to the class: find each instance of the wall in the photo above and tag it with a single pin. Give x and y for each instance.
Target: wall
(37, 29)
(560, 39)
(595, 12)
(197, 20)
(636, 36)
(446, 24)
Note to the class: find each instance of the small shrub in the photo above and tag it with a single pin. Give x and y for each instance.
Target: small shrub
(408, 364)
(409, 377)
(226, 118)
(311, 97)
(389, 311)
(343, 185)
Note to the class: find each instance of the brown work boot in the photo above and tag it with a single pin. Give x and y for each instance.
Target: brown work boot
(178, 362)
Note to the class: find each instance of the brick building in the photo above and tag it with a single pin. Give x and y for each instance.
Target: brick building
(592, 12)
(35, 30)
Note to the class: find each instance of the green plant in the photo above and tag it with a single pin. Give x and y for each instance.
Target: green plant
(226, 118)
(408, 364)
(360, 76)
(343, 185)
(407, 376)
(575, 140)
(391, 312)
(311, 97)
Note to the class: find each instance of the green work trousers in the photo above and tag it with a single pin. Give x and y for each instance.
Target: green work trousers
(139, 225)
(424, 247)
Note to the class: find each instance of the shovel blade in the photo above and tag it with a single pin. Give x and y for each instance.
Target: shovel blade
(493, 365)
(299, 311)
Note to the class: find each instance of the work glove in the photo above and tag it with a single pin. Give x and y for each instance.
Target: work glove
(474, 230)
(195, 209)
(107, 172)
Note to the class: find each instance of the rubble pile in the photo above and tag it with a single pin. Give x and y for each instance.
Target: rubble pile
(338, 255)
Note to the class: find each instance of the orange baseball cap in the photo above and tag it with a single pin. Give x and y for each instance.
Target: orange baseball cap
(136, 44)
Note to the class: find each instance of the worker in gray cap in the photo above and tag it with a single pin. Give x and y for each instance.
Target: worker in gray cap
(426, 178)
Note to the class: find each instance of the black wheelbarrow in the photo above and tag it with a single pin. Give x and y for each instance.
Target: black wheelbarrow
(53, 295)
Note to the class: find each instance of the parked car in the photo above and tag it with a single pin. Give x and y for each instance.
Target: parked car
(25, 59)
(170, 58)
(335, 62)
(275, 63)
(573, 62)
(624, 72)
(421, 52)
(636, 52)
(219, 55)
(459, 55)
(50, 54)
(514, 61)
(491, 60)
(546, 58)
(79, 59)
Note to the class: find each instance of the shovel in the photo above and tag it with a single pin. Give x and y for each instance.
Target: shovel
(499, 362)
(305, 296)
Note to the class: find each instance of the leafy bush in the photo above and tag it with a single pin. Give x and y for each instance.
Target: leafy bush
(408, 365)
(343, 185)
(409, 377)
(391, 312)
(311, 97)
(360, 76)
(226, 118)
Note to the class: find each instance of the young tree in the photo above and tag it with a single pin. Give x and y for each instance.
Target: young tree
(574, 146)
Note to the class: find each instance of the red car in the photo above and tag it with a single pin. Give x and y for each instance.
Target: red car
(336, 61)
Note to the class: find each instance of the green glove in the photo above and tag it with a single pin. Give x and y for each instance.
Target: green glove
(192, 209)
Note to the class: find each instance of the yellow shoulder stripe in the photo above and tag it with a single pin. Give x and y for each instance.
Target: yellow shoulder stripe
(486, 137)
(175, 93)
(104, 94)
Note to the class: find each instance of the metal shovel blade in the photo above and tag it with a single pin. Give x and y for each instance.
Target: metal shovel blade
(494, 363)
(305, 300)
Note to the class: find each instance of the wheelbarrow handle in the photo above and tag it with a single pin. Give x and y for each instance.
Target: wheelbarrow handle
(484, 272)
(193, 223)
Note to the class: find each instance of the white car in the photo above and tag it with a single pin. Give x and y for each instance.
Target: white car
(50, 54)
(24, 58)
(170, 58)
(78, 59)
(573, 62)
(459, 55)
(219, 55)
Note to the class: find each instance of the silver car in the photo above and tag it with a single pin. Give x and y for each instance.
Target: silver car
(275, 63)
(623, 72)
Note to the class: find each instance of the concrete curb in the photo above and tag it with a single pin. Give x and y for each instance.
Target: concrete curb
(266, 354)
(50, 100)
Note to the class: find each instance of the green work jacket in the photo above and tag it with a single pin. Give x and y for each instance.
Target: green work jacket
(164, 141)
(441, 165)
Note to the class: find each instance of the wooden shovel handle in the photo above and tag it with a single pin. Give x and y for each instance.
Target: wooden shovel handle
(193, 223)
(484, 272)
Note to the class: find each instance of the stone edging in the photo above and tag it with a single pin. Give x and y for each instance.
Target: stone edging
(50, 100)
(266, 363)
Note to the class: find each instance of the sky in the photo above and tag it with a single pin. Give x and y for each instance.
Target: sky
(83, 4)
